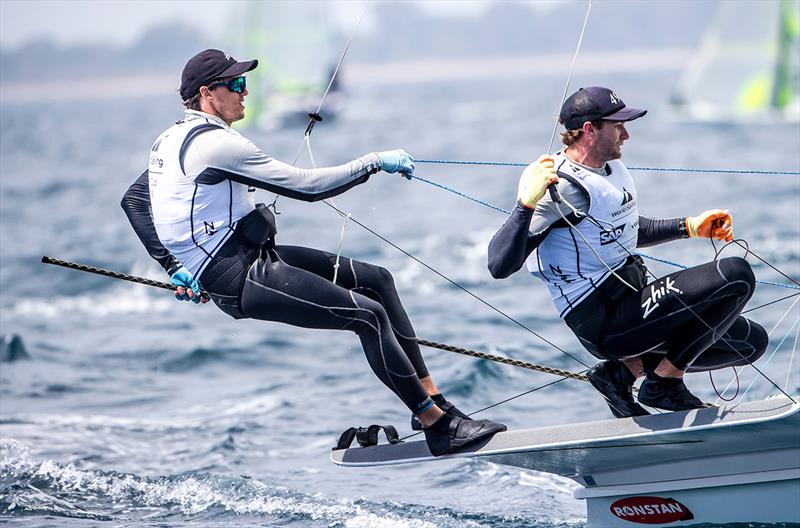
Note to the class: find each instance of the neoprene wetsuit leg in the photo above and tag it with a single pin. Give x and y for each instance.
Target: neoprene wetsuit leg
(372, 281)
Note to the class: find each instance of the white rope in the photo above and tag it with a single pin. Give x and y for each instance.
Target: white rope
(796, 321)
(589, 245)
(339, 251)
(569, 78)
(791, 358)
(341, 58)
(307, 140)
(769, 334)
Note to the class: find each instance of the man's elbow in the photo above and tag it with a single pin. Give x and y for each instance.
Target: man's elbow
(498, 270)
(125, 203)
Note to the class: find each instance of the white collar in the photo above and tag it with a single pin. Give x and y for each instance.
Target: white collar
(197, 114)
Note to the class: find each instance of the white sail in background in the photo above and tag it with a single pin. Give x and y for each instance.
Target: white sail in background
(746, 69)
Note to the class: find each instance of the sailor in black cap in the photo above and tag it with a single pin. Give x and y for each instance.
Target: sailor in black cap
(194, 211)
(583, 249)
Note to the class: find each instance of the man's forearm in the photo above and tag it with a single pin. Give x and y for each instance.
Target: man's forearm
(653, 231)
(512, 244)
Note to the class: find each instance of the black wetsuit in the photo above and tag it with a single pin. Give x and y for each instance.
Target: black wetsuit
(691, 315)
(248, 275)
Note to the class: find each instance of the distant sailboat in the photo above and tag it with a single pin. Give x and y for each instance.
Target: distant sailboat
(297, 52)
(747, 69)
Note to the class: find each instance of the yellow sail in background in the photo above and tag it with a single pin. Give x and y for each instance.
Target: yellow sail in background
(746, 67)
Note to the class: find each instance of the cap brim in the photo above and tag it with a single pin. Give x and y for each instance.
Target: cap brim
(239, 68)
(626, 114)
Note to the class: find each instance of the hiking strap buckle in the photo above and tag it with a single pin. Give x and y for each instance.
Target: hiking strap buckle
(367, 436)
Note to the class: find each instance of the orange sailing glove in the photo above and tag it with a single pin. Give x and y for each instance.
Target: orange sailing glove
(534, 181)
(714, 223)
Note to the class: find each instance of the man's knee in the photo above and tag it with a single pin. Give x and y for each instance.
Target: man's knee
(371, 314)
(737, 269)
(374, 277)
(758, 339)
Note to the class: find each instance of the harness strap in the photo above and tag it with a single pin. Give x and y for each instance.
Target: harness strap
(367, 436)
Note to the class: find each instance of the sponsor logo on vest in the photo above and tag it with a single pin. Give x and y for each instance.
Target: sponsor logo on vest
(657, 291)
(624, 209)
(563, 277)
(609, 236)
(650, 510)
(627, 196)
(209, 227)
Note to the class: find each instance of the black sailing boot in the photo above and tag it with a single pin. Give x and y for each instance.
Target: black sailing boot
(670, 394)
(446, 407)
(615, 382)
(448, 435)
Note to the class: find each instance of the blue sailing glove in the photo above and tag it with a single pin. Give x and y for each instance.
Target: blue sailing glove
(397, 161)
(188, 289)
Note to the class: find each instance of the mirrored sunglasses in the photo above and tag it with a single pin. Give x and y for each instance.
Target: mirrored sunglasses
(237, 85)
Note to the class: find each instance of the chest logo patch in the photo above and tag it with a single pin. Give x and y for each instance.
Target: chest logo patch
(608, 236)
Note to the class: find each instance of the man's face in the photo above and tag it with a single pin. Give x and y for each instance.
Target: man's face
(228, 105)
(608, 140)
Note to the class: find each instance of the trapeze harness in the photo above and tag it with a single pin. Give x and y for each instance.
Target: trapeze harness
(692, 316)
(194, 206)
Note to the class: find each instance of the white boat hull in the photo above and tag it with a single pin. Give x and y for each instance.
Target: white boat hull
(729, 464)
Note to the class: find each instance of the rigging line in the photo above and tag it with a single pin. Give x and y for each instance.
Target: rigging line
(569, 77)
(514, 363)
(315, 116)
(770, 357)
(643, 255)
(454, 191)
(644, 169)
(721, 395)
(686, 306)
(500, 402)
(769, 334)
(771, 303)
(503, 360)
(344, 53)
(457, 285)
(589, 245)
(738, 243)
(682, 266)
(791, 358)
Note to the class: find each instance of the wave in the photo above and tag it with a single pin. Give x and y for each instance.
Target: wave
(31, 487)
(115, 301)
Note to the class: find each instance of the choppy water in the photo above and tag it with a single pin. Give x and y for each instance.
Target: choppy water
(131, 409)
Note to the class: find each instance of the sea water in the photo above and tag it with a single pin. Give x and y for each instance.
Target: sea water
(124, 407)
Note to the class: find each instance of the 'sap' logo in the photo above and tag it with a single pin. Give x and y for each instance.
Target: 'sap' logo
(614, 98)
(607, 236)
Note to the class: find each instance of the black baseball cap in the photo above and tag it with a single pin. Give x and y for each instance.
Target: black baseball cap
(593, 103)
(208, 65)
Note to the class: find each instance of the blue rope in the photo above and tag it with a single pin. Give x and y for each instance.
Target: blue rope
(500, 209)
(651, 169)
(459, 193)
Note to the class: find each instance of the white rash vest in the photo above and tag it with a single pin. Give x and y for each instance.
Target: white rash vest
(202, 172)
(563, 260)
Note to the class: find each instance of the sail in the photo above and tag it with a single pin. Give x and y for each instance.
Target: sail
(747, 66)
(297, 48)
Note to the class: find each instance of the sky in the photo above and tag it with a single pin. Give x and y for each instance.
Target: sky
(121, 22)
